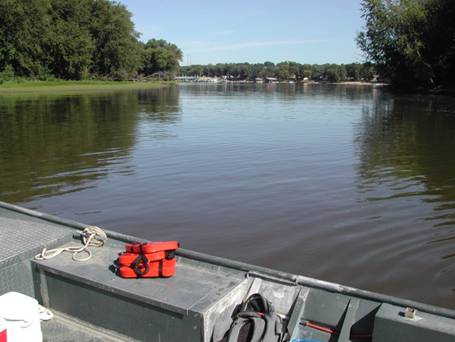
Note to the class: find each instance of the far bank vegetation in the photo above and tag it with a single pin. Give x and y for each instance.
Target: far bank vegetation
(284, 71)
(77, 40)
(412, 42)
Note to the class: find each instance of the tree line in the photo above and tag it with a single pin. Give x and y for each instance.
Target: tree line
(80, 39)
(412, 42)
(284, 71)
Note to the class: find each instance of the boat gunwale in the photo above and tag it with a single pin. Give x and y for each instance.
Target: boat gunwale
(252, 270)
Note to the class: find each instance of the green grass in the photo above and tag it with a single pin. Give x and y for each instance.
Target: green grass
(62, 86)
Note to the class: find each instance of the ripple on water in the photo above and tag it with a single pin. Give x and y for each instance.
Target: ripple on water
(347, 184)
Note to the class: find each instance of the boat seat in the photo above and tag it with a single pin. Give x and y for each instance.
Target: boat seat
(391, 325)
(181, 308)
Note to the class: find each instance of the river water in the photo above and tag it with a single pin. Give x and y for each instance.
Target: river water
(344, 183)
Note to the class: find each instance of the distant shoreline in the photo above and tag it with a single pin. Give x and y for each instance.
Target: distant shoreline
(61, 86)
(89, 86)
(357, 83)
(363, 83)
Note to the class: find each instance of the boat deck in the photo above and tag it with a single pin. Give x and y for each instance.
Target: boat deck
(194, 287)
(188, 296)
(22, 237)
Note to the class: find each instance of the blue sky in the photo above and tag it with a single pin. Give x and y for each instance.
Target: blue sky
(305, 31)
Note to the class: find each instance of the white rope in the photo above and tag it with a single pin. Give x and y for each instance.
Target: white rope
(92, 236)
(44, 313)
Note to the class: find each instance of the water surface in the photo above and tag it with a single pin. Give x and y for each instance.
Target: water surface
(347, 184)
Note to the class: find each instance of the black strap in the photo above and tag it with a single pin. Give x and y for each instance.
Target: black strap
(140, 260)
(256, 321)
(160, 268)
(247, 329)
(257, 303)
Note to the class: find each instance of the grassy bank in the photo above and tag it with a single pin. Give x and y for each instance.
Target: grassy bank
(61, 86)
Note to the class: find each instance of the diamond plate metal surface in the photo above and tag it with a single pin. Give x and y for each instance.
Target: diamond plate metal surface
(18, 278)
(21, 237)
(64, 328)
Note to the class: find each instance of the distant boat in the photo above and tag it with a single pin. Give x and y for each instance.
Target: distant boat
(271, 80)
(206, 79)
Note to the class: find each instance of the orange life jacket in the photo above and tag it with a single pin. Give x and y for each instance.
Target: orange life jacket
(148, 260)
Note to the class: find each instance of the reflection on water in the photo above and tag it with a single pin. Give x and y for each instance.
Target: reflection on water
(51, 145)
(407, 166)
(348, 184)
(407, 145)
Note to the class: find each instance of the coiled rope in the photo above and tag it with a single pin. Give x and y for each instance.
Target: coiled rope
(92, 236)
(44, 313)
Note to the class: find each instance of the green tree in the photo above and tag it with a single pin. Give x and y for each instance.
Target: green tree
(195, 70)
(282, 70)
(69, 46)
(439, 40)
(71, 39)
(411, 41)
(160, 55)
(353, 71)
(117, 50)
(335, 73)
(24, 25)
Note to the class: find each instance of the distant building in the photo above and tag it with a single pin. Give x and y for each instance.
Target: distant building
(375, 78)
(206, 79)
(271, 80)
(186, 78)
